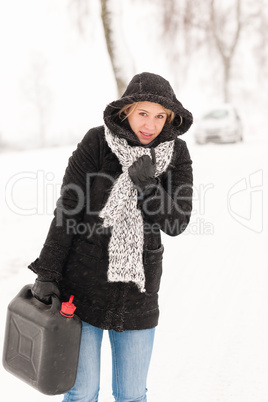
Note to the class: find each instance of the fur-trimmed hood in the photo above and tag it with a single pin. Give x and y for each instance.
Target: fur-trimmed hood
(152, 88)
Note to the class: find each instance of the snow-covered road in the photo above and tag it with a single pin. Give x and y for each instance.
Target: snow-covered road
(211, 343)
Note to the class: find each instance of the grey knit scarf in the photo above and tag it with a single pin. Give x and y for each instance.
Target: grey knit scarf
(121, 213)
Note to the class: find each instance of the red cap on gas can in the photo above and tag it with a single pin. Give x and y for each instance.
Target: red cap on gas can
(68, 308)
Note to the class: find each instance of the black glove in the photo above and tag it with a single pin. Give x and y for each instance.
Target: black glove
(142, 172)
(43, 290)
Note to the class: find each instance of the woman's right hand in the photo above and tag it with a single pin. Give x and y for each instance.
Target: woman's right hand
(43, 290)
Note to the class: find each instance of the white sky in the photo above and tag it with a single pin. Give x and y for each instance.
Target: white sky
(78, 73)
(34, 29)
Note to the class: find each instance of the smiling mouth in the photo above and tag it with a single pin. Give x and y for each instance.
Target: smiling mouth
(146, 134)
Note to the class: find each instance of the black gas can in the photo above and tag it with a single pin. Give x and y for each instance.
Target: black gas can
(42, 342)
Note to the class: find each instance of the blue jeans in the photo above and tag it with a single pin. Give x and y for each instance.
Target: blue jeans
(131, 355)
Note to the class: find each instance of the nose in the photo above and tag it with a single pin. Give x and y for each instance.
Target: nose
(149, 125)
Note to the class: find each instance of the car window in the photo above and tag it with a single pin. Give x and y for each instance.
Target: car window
(216, 114)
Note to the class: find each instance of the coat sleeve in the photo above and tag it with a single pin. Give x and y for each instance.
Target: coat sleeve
(69, 209)
(170, 205)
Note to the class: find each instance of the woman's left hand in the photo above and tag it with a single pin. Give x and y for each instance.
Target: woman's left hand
(142, 172)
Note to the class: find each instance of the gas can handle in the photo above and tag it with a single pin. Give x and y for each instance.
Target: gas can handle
(55, 305)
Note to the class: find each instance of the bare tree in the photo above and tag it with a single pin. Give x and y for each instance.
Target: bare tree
(170, 18)
(216, 26)
(36, 89)
(261, 46)
(183, 32)
(107, 18)
(121, 60)
(171, 37)
(218, 23)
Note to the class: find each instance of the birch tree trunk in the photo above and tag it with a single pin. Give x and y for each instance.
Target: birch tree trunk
(111, 19)
(107, 19)
(226, 50)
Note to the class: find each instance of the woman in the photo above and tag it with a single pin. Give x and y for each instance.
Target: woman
(127, 181)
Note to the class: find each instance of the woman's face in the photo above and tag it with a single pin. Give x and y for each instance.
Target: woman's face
(147, 121)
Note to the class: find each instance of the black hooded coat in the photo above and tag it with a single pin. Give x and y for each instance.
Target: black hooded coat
(75, 253)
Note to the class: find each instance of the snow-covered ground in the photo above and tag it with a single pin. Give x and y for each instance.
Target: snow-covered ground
(211, 343)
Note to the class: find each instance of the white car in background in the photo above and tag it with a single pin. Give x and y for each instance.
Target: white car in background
(220, 124)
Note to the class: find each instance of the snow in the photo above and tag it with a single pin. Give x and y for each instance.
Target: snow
(211, 342)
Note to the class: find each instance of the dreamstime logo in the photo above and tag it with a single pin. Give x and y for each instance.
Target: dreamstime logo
(245, 201)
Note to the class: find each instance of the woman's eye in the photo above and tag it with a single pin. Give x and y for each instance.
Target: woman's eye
(142, 114)
(160, 116)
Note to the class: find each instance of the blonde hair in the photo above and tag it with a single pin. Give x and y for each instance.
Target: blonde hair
(127, 110)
